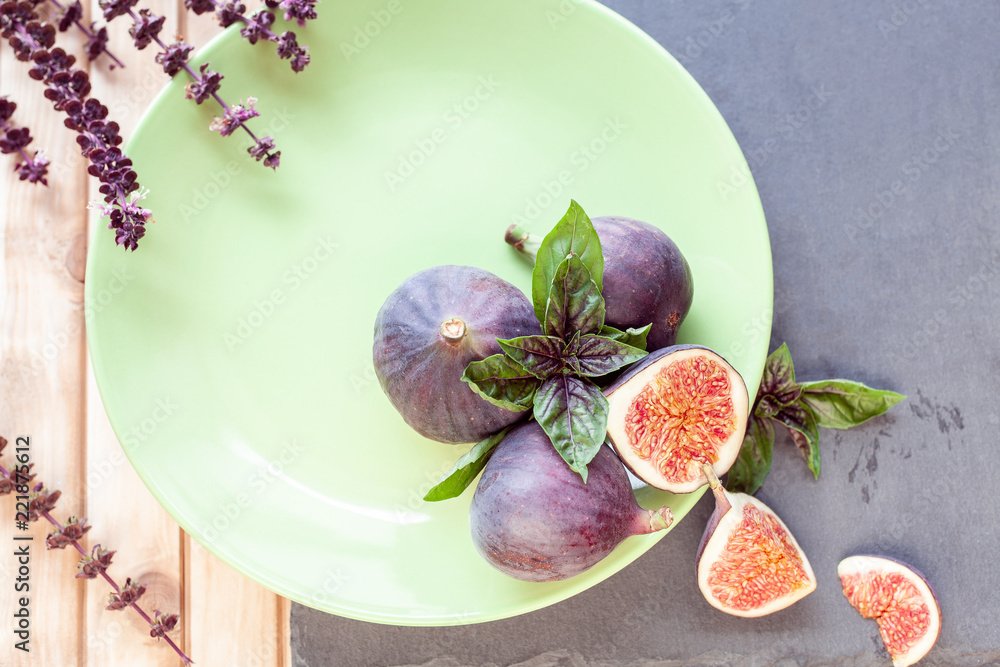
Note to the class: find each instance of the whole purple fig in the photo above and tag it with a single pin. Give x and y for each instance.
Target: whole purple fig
(534, 518)
(426, 333)
(646, 278)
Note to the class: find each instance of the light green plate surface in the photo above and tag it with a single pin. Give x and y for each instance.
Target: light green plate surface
(233, 349)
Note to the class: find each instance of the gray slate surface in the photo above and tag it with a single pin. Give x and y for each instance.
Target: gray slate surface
(871, 129)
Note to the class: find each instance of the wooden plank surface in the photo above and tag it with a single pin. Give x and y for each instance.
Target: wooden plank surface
(49, 393)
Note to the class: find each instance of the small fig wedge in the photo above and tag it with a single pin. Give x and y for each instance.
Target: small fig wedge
(426, 333)
(899, 599)
(534, 518)
(678, 408)
(749, 564)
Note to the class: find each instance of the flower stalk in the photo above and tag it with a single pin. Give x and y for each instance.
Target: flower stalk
(94, 563)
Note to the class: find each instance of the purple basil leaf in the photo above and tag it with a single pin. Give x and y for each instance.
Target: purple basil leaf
(574, 234)
(503, 382)
(804, 429)
(633, 337)
(778, 380)
(598, 355)
(575, 304)
(754, 462)
(574, 414)
(541, 356)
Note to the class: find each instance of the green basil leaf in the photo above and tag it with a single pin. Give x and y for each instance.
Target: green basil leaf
(574, 414)
(754, 462)
(804, 429)
(573, 235)
(539, 355)
(466, 469)
(844, 403)
(778, 380)
(503, 382)
(633, 337)
(598, 355)
(575, 303)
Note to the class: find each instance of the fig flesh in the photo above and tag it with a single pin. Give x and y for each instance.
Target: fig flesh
(646, 278)
(534, 518)
(749, 564)
(427, 332)
(899, 599)
(678, 408)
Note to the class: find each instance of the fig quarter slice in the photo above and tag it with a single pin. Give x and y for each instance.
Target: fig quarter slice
(899, 599)
(749, 564)
(680, 407)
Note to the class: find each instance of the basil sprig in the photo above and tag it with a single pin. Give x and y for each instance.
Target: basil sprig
(552, 374)
(553, 371)
(802, 408)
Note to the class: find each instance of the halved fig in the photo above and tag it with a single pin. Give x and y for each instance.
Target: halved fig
(678, 408)
(533, 518)
(426, 333)
(899, 599)
(749, 564)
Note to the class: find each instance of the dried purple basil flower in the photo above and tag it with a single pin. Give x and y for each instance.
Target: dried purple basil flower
(234, 117)
(200, 6)
(174, 57)
(299, 11)
(146, 28)
(230, 12)
(69, 15)
(208, 84)
(40, 501)
(129, 593)
(96, 563)
(114, 8)
(163, 624)
(71, 532)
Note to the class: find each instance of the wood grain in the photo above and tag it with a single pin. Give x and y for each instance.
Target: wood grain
(50, 394)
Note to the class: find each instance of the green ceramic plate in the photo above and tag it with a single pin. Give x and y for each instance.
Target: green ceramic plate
(233, 349)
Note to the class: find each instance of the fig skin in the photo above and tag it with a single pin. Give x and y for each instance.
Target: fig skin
(646, 279)
(426, 333)
(619, 396)
(534, 518)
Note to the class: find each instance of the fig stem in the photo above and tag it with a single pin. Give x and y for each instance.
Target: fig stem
(453, 331)
(660, 519)
(722, 504)
(522, 241)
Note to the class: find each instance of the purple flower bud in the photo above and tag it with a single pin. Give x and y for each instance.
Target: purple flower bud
(146, 28)
(174, 58)
(207, 84)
